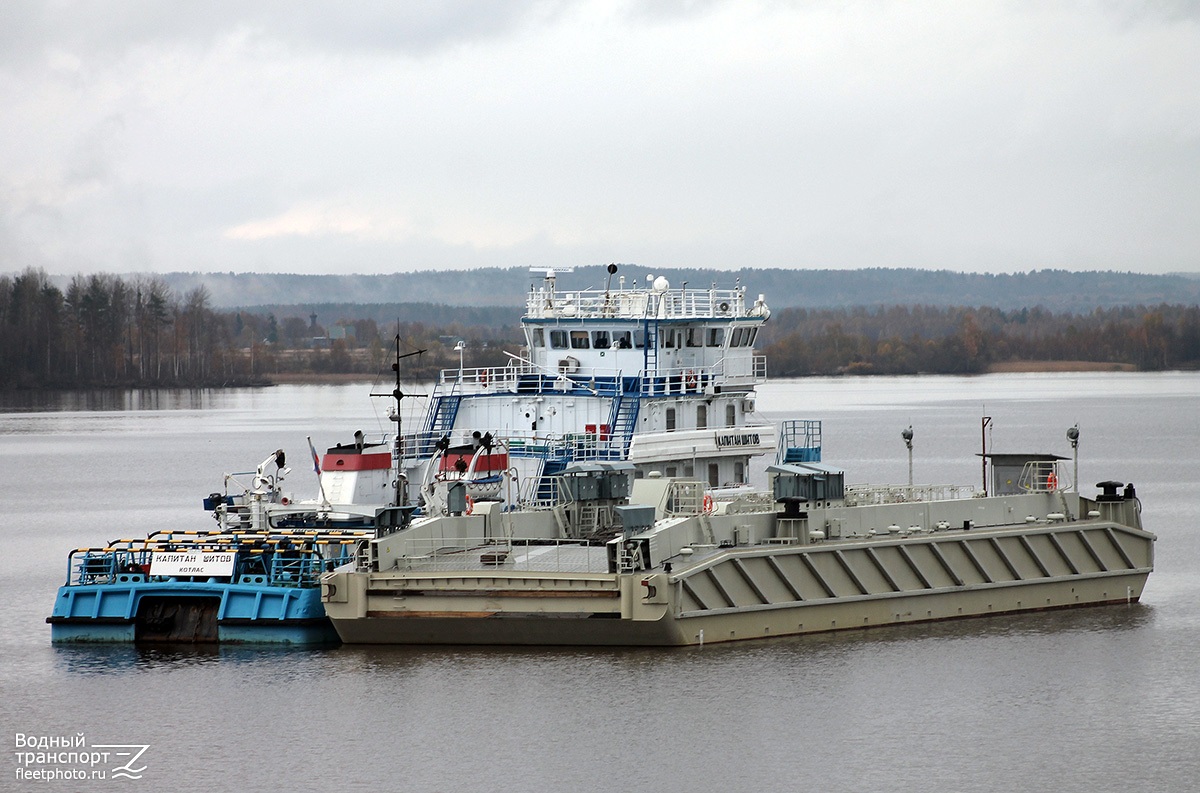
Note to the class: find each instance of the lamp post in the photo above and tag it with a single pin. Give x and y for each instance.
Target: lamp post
(907, 435)
(462, 345)
(1073, 437)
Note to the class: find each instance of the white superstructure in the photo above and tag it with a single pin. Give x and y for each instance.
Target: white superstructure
(657, 376)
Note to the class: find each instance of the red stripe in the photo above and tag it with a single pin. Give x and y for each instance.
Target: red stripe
(356, 462)
(496, 461)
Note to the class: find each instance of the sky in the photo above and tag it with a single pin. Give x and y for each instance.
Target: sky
(378, 137)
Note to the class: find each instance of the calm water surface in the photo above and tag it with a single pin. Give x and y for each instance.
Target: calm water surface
(1091, 700)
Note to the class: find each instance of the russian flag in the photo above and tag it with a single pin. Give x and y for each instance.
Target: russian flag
(316, 459)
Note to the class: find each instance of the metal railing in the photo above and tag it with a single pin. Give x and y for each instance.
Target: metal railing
(527, 378)
(868, 495)
(685, 497)
(1042, 476)
(636, 303)
(281, 559)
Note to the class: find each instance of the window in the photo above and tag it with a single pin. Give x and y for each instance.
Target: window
(579, 340)
(558, 339)
(539, 337)
(701, 417)
(751, 334)
(670, 418)
(714, 475)
(695, 337)
(600, 339)
(739, 473)
(639, 339)
(670, 338)
(688, 471)
(671, 470)
(731, 415)
(738, 333)
(621, 339)
(716, 337)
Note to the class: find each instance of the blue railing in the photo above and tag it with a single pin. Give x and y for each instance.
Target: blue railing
(300, 567)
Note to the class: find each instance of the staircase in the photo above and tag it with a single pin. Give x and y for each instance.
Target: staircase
(799, 442)
(546, 491)
(442, 420)
(623, 421)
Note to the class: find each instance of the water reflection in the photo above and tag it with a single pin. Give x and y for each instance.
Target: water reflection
(108, 399)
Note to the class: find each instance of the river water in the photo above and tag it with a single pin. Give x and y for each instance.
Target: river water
(1100, 699)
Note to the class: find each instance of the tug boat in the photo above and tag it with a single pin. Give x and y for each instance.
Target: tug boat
(659, 377)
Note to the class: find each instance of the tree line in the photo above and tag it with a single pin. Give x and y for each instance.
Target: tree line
(103, 330)
(958, 340)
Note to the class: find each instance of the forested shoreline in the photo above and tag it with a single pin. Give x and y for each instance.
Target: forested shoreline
(957, 340)
(108, 331)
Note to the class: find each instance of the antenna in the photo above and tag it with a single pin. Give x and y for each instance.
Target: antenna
(398, 394)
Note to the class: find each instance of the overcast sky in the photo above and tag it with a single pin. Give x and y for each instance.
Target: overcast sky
(394, 136)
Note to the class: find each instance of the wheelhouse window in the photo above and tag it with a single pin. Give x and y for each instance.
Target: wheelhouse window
(600, 340)
(716, 337)
(695, 337)
(538, 337)
(621, 339)
(558, 339)
(579, 340)
(743, 337)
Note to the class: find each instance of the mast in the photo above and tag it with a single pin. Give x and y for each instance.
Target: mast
(400, 497)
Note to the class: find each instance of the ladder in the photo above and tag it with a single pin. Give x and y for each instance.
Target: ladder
(441, 419)
(623, 422)
(650, 351)
(546, 491)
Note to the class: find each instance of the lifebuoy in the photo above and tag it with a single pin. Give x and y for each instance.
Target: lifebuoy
(690, 379)
(470, 506)
(709, 506)
(1051, 481)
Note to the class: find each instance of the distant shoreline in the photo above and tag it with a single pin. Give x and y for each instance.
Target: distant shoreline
(1059, 366)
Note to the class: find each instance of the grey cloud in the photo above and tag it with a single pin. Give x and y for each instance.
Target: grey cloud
(102, 31)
